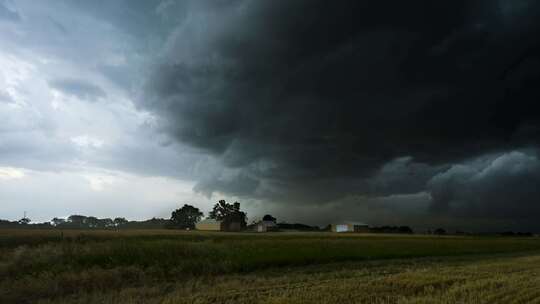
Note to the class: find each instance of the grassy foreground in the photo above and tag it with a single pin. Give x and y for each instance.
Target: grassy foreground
(195, 267)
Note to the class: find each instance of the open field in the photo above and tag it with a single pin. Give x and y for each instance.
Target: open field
(164, 266)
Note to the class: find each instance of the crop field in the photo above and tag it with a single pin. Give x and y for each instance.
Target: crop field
(166, 266)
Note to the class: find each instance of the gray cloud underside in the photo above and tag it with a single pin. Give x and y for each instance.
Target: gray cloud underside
(79, 88)
(5, 97)
(8, 14)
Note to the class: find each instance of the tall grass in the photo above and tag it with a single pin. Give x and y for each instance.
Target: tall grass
(49, 265)
(509, 279)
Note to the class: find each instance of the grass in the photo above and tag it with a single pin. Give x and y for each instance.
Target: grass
(166, 266)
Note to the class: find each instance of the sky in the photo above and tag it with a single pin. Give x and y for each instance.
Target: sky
(420, 113)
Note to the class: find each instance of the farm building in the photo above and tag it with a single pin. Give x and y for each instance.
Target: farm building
(232, 226)
(350, 227)
(265, 226)
(209, 225)
(215, 225)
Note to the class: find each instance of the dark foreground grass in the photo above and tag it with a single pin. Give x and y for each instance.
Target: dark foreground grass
(507, 278)
(47, 265)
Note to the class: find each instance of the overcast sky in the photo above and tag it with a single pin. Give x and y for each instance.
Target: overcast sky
(420, 113)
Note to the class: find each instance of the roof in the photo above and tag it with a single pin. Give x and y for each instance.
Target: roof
(209, 221)
(352, 223)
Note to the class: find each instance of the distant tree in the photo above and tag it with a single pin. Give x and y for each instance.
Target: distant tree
(237, 216)
(269, 218)
(8, 224)
(405, 229)
(185, 217)
(58, 221)
(91, 222)
(153, 223)
(300, 227)
(221, 210)
(24, 221)
(105, 223)
(228, 213)
(78, 221)
(44, 225)
(120, 221)
(439, 231)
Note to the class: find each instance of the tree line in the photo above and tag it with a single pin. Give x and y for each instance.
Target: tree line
(183, 218)
(87, 222)
(187, 216)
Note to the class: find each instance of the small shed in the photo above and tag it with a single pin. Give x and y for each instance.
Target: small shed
(350, 227)
(209, 225)
(265, 226)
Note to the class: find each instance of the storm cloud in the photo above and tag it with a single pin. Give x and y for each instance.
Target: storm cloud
(390, 112)
(310, 101)
(502, 186)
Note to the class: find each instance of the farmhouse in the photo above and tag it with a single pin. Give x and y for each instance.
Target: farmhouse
(209, 225)
(215, 225)
(350, 227)
(265, 226)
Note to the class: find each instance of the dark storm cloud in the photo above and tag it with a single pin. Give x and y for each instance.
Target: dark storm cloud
(80, 88)
(503, 186)
(312, 100)
(8, 14)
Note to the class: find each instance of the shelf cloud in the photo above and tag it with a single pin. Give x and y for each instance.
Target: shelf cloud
(308, 102)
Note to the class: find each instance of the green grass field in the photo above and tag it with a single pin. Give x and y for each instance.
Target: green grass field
(164, 266)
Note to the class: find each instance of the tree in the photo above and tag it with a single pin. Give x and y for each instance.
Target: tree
(228, 213)
(8, 224)
(105, 223)
(77, 220)
(58, 221)
(269, 218)
(91, 222)
(221, 210)
(439, 231)
(24, 221)
(185, 217)
(236, 216)
(405, 229)
(119, 221)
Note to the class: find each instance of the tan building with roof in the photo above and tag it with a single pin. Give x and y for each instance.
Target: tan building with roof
(209, 225)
